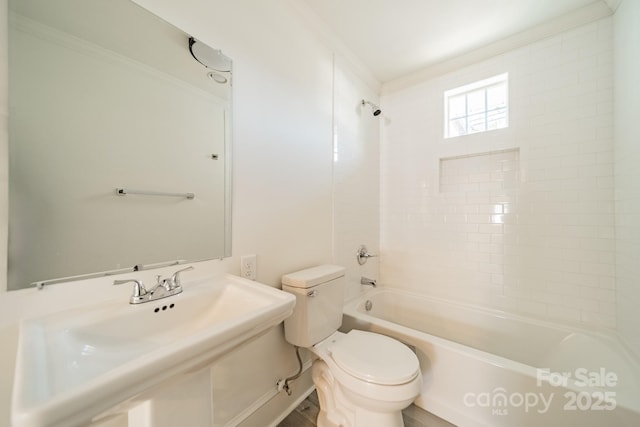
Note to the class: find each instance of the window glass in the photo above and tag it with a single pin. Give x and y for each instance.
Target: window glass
(477, 107)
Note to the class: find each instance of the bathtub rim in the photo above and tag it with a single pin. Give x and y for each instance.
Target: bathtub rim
(410, 336)
(601, 332)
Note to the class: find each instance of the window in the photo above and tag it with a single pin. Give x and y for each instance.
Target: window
(477, 107)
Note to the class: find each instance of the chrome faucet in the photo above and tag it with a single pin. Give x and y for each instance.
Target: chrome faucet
(368, 282)
(174, 281)
(163, 288)
(139, 292)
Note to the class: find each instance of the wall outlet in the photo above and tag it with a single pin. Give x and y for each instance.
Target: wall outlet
(248, 267)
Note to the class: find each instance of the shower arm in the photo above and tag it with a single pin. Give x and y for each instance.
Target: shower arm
(374, 108)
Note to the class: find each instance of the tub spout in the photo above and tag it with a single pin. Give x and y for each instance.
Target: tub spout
(367, 281)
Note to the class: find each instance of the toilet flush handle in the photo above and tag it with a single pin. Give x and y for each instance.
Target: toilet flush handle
(312, 294)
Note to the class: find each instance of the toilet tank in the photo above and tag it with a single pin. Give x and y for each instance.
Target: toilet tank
(319, 293)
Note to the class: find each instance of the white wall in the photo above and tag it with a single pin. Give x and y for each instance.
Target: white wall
(627, 173)
(356, 177)
(283, 199)
(534, 235)
(4, 141)
(282, 124)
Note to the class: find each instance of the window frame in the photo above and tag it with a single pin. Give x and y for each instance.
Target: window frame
(485, 84)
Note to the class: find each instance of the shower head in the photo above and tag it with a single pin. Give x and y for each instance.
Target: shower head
(374, 108)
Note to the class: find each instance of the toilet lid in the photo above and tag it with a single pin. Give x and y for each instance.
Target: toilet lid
(375, 358)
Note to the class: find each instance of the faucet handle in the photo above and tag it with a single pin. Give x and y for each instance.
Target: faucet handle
(175, 277)
(139, 290)
(363, 255)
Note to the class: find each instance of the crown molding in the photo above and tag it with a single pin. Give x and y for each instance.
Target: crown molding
(579, 17)
(613, 4)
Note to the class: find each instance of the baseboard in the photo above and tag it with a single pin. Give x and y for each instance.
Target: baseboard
(275, 406)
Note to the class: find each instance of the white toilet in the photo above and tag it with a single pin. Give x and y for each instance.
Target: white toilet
(363, 379)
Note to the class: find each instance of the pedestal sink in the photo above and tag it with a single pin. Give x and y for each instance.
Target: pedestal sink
(74, 365)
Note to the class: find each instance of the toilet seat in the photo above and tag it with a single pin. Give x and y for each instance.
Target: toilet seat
(374, 358)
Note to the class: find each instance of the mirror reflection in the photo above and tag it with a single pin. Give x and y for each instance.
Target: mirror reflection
(119, 142)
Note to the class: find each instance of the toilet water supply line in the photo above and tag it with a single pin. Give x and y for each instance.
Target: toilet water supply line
(283, 384)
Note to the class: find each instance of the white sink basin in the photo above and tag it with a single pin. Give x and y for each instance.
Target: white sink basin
(74, 365)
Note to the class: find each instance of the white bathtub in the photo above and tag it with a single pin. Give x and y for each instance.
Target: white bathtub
(487, 368)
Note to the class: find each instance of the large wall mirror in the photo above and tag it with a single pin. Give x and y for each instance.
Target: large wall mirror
(119, 142)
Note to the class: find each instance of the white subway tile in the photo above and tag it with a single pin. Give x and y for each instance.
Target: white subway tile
(529, 230)
(559, 312)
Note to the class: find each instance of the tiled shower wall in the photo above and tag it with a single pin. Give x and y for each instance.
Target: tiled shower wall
(519, 219)
(478, 200)
(627, 173)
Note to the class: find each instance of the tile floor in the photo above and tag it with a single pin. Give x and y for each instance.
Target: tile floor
(306, 413)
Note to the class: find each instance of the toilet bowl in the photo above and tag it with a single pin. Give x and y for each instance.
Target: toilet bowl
(363, 379)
